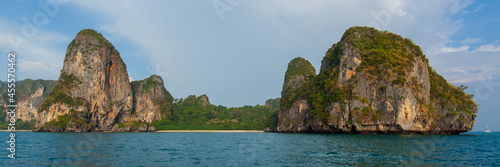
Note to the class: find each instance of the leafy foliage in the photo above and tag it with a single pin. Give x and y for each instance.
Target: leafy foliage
(66, 83)
(3, 114)
(381, 53)
(382, 49)
(27, 87)
(102, 41)
(272, 121)
(74, 46)
(299, 67)
(448, 95)
(147, 84)
(190, 114)
(25, 125)
(76, 117)
(274, 104)
(399, 81)
(299, 72)
(165, 104)
(24, 89)
(20, 124)
(384, 55)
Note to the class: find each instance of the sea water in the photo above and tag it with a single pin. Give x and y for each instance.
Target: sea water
(250, 149)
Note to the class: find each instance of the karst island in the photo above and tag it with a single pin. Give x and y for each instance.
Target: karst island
(370, 82)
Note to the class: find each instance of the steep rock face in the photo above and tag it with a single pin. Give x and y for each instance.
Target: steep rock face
(204, 100)
(31, 94)
(294, 108)
(379, 82)
(27, 109)
(150, 98)
(93, 81)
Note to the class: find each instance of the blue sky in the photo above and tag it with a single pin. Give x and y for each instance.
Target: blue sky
(237, 51)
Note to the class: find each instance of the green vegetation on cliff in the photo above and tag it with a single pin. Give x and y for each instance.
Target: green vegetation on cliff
(449, 96)
(273, 103)
(75, 118)
(59, 93)
(272, 120)
(191, 114)
(24, 89)
(147, 84)
(318, 90)
(20, 124)
(385, 57)
(299, 67)
(27, 87)
(102, 41)
(297, 76)
(384, 54)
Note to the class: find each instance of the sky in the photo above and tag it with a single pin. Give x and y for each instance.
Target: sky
(237, 51)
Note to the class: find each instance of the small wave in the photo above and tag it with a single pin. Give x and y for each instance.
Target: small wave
(330, 153)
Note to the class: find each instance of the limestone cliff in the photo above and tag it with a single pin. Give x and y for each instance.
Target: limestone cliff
(150, 98)
(30, 94)
(93, 92)
(376, 82)
(295, 108)
(204, 100)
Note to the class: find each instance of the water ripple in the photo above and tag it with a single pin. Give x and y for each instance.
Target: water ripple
(251, 149)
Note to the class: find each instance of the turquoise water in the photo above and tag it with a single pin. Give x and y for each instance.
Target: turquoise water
(250, 149)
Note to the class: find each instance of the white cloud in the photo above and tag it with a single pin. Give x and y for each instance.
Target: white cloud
(489, 48)
(471, 40)
(458, 6)
(465, 76)
(452, 49)
(479, 8)
(38, 57)
(467, 66)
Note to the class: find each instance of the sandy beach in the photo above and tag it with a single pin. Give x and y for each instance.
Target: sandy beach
(212, 131)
